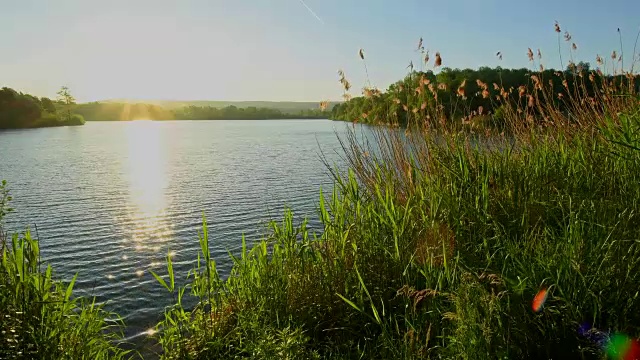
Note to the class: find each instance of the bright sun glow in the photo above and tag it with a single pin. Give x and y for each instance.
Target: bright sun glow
(148, 180)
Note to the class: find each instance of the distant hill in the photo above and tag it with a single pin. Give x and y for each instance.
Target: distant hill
(284, 106)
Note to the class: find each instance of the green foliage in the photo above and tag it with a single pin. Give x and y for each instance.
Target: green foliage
(110, 111)
(250, 113)
(5, 198)
(438, 263)
(40, 319)
(455, 94)
(19, 110)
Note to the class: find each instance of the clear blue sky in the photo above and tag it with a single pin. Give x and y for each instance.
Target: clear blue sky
(277, 49)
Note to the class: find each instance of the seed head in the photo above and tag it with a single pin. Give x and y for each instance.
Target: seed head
(567, 36)
(530, 54)
(531, 101)
(536, 81)
(438, 59)
(557, 27)
(460, 90)
(361, 53)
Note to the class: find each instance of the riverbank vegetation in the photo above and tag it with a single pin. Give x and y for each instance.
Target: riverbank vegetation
(39, 316)
(440, 235)
(441, 231)
(18, 110)
(111, 111)
(488, 97)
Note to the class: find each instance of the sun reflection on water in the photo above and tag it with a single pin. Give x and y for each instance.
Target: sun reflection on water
(147, 173)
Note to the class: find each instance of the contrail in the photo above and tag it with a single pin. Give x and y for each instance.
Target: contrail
(311, 11)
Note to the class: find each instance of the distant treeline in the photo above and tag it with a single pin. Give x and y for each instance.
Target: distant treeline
(110, 111)
(249, 113)
(457, 93)
(18, 110)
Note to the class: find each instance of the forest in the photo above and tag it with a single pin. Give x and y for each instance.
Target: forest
(109, 111)
(481, 96)
(19, 110)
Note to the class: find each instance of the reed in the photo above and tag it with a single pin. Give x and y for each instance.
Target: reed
(439, 234)
(39, 317)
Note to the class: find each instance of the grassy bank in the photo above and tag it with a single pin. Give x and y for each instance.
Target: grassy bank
(441, 259)
(39, 316)
(436, 255)
(436, 239)
(440, 235)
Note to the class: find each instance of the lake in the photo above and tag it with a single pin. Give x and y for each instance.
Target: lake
(110, 199)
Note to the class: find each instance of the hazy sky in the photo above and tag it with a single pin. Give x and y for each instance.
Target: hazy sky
(278, 49)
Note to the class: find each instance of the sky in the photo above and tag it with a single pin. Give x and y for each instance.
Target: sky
(282, 50)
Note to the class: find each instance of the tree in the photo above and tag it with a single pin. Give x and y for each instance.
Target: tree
(65, 97)
(47, 105)
(18, 110)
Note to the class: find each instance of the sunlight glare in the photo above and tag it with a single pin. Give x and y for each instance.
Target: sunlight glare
(146, 169)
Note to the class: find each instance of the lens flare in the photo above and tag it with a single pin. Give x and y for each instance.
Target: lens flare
(584, 329)
(539, 300)
(623, 348)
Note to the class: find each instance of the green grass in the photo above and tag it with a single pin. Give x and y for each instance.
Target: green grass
(439, 261)
(39, 316)
(431, 248)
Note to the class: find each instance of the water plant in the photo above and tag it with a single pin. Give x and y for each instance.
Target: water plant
(39, 316)
(437, 239)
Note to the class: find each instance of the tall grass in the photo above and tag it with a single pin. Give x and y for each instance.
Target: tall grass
(443, 264)
(437, 238)
(435, 241)
(39, 317)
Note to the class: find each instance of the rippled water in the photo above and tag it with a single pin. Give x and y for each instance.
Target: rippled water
(109, 200)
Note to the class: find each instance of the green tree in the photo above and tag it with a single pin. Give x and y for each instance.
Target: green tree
(65, 98)
(48, 105)
(18, 110)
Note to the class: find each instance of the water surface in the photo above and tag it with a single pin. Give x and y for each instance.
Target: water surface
(110, 199)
